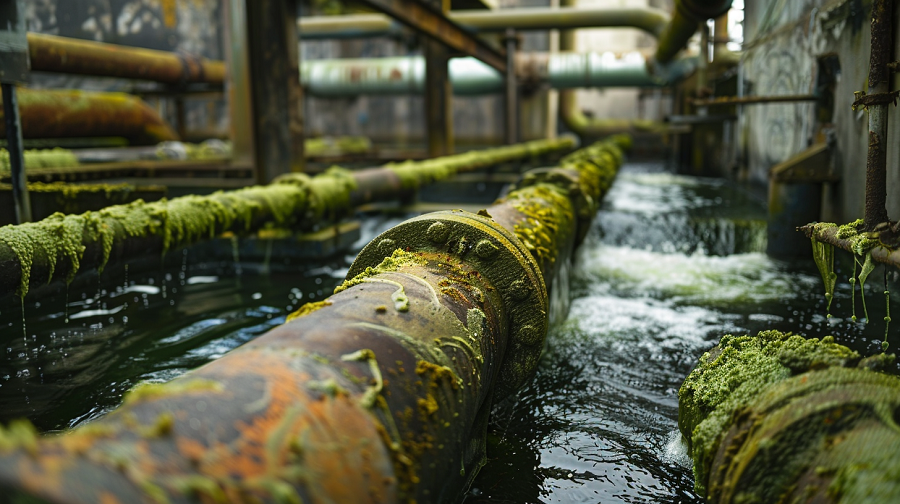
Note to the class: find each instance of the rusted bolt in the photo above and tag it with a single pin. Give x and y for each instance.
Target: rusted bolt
(519, 290)
(386, 245)
(486, 249)
(529, 335)
(438, 232)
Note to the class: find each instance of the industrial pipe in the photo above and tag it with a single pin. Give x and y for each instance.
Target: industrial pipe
(647, 19)
(50, 53)
(62, 245)
(380, 393)
(782, 418)
(49, 113)
(468, 76)
(686, 18)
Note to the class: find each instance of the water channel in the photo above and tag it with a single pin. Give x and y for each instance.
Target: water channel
(671, 264)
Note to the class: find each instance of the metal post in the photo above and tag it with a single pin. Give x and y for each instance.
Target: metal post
(880, 98)
(14, 70)
(16, 154)
(512, 98)
(438, 99)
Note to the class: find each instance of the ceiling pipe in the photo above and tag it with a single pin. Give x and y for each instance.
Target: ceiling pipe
(686, 18)
(469, 77)
(650, 20)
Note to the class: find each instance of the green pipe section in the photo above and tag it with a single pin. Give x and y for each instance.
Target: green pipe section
(687, 16)
(649, 20)
(782, 418)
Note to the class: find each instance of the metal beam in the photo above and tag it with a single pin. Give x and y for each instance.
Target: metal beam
(437, 26)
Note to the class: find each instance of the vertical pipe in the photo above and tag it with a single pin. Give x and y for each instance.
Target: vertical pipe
(879, 84)
(438, 96)
(237, 86)
(16, 154)
(512, 99)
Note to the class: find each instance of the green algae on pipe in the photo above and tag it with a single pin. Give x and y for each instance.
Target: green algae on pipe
(348, 402)
(883, 244)
(39, 252)
(41, 158)
(782, 418)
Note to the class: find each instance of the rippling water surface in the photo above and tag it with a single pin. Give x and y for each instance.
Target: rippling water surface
(671, 264)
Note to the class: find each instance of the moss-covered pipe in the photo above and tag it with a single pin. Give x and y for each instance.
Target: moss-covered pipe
(782, 418)
(61, 245)
(76, 114)
(380, 393)
(883, 244)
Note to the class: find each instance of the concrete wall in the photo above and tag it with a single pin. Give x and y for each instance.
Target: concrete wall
(784, 41)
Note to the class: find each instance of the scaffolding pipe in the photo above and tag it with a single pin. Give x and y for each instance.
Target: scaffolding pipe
(50, 53)
(47, 113)
(62, 245)
(380, 393)
(470, 77)
(647, 19)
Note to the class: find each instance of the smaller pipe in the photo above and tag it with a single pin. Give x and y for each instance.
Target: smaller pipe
(749, 100)
(828, 234)
(512, 99)
(879, 84)
(50, 53)
(21, 201)
(649, 20)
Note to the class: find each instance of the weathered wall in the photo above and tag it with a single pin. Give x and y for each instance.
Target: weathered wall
(784, 40)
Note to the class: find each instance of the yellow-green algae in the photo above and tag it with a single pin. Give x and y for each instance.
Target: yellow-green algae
(734, 373)
(307, 309)
(548, 219)
(414, 174)
(397, 260)
(41, 158)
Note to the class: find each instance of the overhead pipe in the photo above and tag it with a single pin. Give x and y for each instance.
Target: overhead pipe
(469, 77)
(47, 113)
(50, 53)
(380, 393)
(62, 245)
(650, 20)
(662, 66)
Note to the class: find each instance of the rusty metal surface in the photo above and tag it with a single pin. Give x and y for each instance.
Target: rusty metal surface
(50, 53)
(76, 114)
(438, 99)
(381, 393)
(747, 100)
(882, 44)
(438, 27)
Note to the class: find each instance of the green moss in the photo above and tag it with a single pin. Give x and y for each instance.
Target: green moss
(330, 193)
(734, 373)
(145, 391)
(307, 309)
(19, 434)
(41, 158)
(398, 259)
(548, 219)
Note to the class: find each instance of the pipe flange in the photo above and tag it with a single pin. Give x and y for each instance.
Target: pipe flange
(500, 257)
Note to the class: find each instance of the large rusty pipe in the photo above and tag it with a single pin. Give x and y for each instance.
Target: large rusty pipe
(646, 19)
(381, 393)
(49, 113)
(50, 53)
(60, 246)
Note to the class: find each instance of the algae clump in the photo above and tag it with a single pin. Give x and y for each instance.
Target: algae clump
(735, 372)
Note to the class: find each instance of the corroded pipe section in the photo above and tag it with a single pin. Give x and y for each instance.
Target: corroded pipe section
(76, 114)
(782, 418)
(883, 244)
(62, 245)
(380, 393)
(50, 53)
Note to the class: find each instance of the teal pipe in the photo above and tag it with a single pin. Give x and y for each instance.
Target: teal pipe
(470, 77)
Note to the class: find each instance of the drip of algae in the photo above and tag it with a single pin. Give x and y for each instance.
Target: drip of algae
(730, 376)
(867, 267)
(823, 255)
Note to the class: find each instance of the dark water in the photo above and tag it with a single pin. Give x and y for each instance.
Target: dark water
(671, 264)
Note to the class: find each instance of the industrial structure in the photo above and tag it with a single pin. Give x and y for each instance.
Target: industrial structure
(141, 136)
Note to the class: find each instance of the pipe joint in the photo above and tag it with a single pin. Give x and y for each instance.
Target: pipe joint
(701, 10)
(493, 252)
